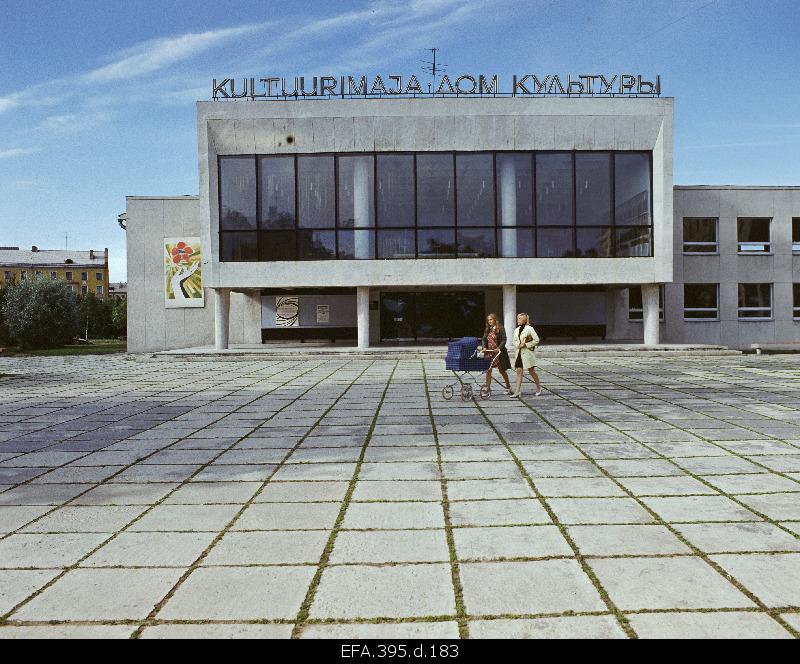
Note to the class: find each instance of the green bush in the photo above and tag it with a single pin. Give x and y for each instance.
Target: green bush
(5, 336)
(40, 313)
(119, 318)
(102, 319)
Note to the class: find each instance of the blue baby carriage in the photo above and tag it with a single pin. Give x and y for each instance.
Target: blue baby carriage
(462, 358)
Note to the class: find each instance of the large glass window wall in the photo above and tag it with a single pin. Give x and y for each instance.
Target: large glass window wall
(435, 205)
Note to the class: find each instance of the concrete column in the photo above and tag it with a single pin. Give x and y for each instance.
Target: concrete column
(508, 207)
(252, 330)
(362, 308)
(361, 171)
(222, 313)
(650, 313)
(509, 311)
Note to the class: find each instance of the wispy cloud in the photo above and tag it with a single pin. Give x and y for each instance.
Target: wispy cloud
(155, 54)
(71, 123)
(17, 152)
(145, 57)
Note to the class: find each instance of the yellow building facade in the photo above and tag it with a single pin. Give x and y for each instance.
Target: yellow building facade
(85, 271)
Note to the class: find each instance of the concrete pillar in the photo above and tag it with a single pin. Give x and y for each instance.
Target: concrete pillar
(508, 207)
(361, 172)
(252, 322)
(362, 308)
(650, 313)
(222, 313)
(509, 311)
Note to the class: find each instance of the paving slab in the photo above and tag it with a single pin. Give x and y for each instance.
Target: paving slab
(390, 546)
(666, 583)
(445, 629)
(510, 542)
(401, 591)
(218, 631)
(736, 537)
(773, 578)
(93, 595)
(718, 625)
(47, 550)
(394, 515)
(86, 519)
(239, 593)
(545, 586)
(699, 508)
(268, 548)
(574, 627)
(136, 549)
(288, 516)
(623, 540)
(17, 584)
(598, 510)
(498, 512)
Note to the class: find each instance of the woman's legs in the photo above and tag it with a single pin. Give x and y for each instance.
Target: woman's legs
(489, 377)
(518, 390)
(504, 374)
(535, 376)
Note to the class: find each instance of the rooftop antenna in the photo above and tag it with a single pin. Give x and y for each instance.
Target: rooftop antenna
(66, 242)
(432, 67)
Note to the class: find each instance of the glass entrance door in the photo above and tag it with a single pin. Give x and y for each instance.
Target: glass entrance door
(431, 316)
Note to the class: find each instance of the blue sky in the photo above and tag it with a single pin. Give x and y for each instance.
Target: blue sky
(97, 97)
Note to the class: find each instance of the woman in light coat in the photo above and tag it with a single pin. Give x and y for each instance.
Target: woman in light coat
(525, 341)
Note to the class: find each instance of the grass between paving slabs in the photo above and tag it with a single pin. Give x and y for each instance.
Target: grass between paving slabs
(305, 606)
(5, 618)
(774, 613)
(151, 618)
(454, 566)
(458, 589)
(612, 607)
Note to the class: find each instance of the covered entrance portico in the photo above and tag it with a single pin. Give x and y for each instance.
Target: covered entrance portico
(371, 316)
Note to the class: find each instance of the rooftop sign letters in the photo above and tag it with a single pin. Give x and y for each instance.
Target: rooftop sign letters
(465, 85)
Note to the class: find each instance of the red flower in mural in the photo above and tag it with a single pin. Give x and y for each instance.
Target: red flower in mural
(181, 253)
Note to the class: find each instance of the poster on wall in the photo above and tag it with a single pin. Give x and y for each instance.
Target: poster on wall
(323, 313)
(287, 311)
(183, 272)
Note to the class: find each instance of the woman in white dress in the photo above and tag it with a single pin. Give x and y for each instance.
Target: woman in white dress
(525, 341)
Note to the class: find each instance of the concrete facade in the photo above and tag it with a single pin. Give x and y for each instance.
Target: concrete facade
(590, 293)
(392, 125)
(727, 268)
(152, 326)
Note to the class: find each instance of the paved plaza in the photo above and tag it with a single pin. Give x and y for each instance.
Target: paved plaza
(638, 496)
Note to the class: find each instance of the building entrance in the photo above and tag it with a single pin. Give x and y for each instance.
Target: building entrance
(431, 316)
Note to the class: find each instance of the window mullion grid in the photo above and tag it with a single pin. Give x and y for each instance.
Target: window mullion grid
(296, 209)
(416, 205)
(258, 207)
(574, 208)
(336, 207)
(455, 208)
(612, 170)
(534, 214)
(497, 253)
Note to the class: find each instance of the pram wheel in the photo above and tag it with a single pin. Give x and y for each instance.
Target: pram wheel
(447, 392)
(486, 391)
(466, 392)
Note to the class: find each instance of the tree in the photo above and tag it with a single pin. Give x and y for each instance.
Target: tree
(5, 335)
(41, 313)
(119, 318)
(95, 317)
